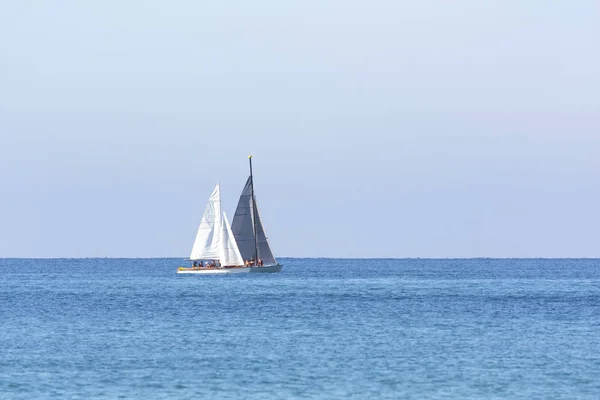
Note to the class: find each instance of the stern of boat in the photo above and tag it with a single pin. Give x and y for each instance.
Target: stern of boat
(267, 268)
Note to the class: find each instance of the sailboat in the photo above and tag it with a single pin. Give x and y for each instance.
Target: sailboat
(240, 247)
(215, 241)
(249, 232)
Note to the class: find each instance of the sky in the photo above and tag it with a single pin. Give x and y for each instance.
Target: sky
(380, 128)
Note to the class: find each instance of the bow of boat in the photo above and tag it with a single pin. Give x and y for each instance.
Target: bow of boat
(267, 268)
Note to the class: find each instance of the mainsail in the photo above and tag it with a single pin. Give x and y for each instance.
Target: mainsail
(207, 243)
(243, 228)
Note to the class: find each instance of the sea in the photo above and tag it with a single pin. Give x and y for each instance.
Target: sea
(105, 328)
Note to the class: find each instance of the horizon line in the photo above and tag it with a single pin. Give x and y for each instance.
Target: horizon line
(315, 258)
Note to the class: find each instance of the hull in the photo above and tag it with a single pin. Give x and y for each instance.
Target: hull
(267, 268)
(213, 270)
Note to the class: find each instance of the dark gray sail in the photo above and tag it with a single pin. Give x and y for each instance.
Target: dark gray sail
(243, 229)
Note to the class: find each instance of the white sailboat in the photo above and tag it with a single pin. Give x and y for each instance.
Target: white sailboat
(215, 241)
(241, 247)
(249, 232)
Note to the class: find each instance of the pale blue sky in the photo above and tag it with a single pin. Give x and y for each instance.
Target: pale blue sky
(379, 128)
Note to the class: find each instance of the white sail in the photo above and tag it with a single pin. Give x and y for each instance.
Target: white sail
(243, 229)
(208, 239)
(230, 254)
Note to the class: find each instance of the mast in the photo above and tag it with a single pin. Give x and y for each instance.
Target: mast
(253, 213)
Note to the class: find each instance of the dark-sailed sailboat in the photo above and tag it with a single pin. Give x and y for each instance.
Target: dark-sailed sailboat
(249, 233)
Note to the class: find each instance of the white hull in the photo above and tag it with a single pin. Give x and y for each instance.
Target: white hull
(267, 268)
(214, 270)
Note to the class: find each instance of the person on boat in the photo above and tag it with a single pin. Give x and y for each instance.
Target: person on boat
(247, 263)
(195, 265)
(260, 262)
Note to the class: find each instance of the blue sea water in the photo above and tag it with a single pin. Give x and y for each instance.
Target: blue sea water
(321, 329)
